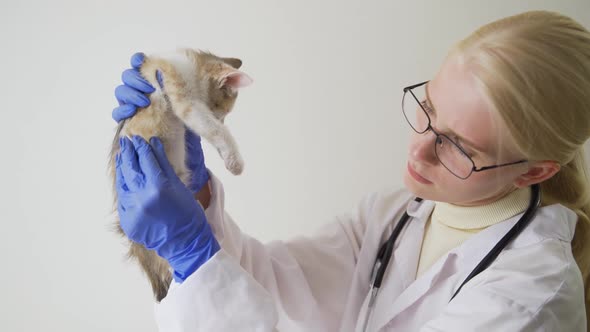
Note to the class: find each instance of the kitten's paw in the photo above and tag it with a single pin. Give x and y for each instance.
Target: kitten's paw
(234, 164)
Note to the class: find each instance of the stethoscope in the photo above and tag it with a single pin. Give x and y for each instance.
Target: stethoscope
(386, 250)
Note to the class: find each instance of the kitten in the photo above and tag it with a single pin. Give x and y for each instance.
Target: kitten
(199, 90)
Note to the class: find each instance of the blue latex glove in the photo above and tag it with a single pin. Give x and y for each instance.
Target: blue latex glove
(158, 211)
(132, 94)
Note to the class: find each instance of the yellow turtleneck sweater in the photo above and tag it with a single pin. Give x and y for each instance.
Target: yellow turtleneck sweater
(450, 225)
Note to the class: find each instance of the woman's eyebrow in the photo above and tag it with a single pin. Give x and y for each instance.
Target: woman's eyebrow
(461, 138)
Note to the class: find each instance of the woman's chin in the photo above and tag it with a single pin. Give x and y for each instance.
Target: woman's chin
(411, 184)
(417, 188)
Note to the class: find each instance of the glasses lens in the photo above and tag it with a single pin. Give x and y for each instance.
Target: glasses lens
(451, 156)
(415, 115)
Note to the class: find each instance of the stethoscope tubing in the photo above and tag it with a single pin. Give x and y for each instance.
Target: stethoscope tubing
(385, 252)
(520, 225)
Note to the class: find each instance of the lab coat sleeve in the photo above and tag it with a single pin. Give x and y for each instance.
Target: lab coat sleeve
(308, 278)
(219, 296)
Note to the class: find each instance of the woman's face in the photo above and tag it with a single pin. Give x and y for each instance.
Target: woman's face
(460, 112)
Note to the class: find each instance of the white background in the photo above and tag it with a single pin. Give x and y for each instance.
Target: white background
(320, 127)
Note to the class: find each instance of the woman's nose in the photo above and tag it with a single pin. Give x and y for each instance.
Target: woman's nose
(422, 147)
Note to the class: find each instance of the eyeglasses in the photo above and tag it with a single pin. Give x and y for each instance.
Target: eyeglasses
(450, 154)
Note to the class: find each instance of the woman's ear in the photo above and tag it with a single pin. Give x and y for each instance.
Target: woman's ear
(538, 172)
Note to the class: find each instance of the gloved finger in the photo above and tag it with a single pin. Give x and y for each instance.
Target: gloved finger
(123, 112)
(137, 60)
(128, 95)
(194, 149)
(160, 79)
(133, 78)
(132, 174)
(119, 180)
(162, 158)
(147, 160)
(191, 136)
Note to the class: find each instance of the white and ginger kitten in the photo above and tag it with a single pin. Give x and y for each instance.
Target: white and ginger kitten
(199, 90)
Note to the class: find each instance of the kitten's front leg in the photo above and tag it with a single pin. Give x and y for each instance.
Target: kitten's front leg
(210, 128)
(234, 162)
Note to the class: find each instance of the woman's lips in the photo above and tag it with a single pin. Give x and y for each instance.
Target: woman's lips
(417, 176)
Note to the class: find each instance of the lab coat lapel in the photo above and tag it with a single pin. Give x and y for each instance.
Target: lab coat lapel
(462, 259)
(408, 246)
(401, 271)
(442, 269)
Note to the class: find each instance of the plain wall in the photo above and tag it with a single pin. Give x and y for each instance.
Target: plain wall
(320, 127)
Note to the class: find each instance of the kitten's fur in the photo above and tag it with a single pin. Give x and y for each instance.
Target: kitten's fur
(199, 90)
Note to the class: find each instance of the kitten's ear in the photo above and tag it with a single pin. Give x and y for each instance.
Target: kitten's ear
(235, 80)
(234, 62)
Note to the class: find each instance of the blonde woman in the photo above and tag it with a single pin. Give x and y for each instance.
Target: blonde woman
(490, 232)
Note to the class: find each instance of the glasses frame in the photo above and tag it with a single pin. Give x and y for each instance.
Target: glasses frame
(438, 137)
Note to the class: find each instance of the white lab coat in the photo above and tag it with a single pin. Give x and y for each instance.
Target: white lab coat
(321, 283)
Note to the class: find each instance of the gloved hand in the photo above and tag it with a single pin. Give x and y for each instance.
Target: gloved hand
(158, 211)
(132, 94)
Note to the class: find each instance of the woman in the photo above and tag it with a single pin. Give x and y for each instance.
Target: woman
(508, 110)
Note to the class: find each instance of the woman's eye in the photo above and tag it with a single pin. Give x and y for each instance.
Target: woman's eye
(462, 149)
(427, 108)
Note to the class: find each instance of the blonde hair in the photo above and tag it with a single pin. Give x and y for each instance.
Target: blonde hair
(534, 68)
